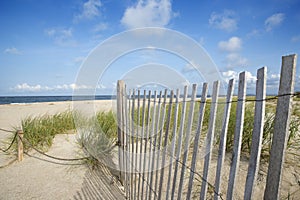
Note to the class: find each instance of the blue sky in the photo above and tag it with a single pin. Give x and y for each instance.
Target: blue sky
(43, 43)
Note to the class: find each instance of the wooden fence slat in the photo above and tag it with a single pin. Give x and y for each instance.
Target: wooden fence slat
(132, 136)
(162, 120)
(257, 133)
(237, 135)
(281, 127)
(151, 144)
(187, 139)
(157, 118)
(137, 144)
(210, 138)
(197, 138)
(179, 143)
(120, 93)
(126, 144)
(165, 144)
(146, 137)
(127, 136)
(174, 135)
(141, 142)
(223, 138)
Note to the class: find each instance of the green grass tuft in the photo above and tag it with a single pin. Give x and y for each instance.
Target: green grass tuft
(40, 131)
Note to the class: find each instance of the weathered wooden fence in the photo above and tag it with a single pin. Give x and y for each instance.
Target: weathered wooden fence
(161, 135)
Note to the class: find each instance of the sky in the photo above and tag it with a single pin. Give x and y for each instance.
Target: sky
(44, 43)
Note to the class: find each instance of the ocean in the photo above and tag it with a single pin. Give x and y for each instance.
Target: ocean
(37, 99)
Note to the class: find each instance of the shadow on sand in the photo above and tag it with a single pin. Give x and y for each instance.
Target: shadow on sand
(98, 184)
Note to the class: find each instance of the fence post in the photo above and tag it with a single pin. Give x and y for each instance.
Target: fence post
(197, 138)
(20, 135)
(223, 138)
(257, 133)
(120, 97)
(240, 109)
(281, 126)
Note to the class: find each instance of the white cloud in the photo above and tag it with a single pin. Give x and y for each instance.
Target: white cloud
(25, 87)
(232, 48)
(61, 36)
(90, 10)
(273, 80)
(147, 13)
(232, 45)
(13, 50)
(230, 74)
(273, 21)
(236, 60)
(226, 21)
(254, 33)
(296, 38)
(100, 27)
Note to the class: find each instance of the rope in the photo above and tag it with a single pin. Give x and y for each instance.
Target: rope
(5, 130)
(13, 140)
(53, 157)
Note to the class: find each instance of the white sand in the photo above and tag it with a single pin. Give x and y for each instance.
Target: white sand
(38, 177)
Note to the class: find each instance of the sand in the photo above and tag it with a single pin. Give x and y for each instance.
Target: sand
(39, 177)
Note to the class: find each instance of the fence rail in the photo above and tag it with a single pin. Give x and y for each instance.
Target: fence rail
(160, 136)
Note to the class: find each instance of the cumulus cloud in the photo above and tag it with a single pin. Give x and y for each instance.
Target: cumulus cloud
(100, 27)
(25, 87)
(90, 10)
(274, 21)
(13, 50)
(226, 21)
(232, 45)
(231, 74)
(235, 60)
(147, 13)
(61, 36)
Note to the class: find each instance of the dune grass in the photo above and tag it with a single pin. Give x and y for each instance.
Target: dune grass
(99, 137)
(100, 133)
(39, 131)
(293, 140)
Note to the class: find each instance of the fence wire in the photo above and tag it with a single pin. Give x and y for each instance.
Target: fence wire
(296, 94)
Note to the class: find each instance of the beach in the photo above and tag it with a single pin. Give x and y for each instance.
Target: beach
(39, 177)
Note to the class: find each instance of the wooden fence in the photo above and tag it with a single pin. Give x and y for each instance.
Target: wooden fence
(161, 136)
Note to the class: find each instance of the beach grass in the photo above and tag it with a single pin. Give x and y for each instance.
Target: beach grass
(40, 131)
(99, 138)
(98, 135)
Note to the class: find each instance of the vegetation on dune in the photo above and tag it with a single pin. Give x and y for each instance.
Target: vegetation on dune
(98, 135)
(40, 131)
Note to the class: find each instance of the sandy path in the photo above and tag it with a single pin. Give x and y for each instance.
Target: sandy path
(39, 177)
